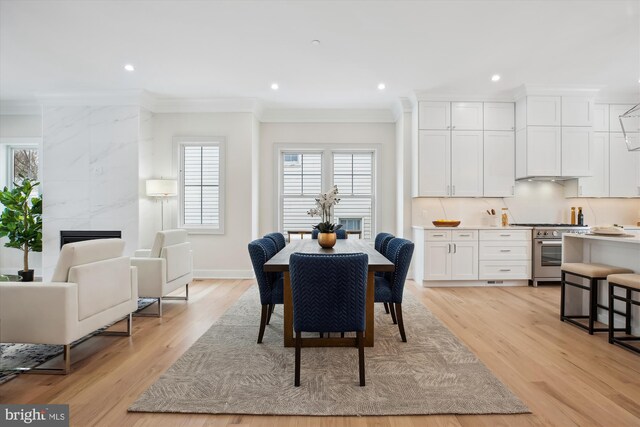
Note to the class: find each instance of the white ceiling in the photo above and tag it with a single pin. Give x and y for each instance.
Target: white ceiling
(238, 48)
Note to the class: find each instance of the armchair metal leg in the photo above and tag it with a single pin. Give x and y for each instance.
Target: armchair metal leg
(184, 298)
(66, 354)
(126, 333)
(360, 342)
(157, 314)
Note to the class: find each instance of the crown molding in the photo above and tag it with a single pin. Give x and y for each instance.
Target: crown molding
(557, 90)
(327, 115)
(19, 107)
(62, 99)
(459, 97)
(205, 105)
(403, 105)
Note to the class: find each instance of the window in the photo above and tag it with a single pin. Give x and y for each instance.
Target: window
(22, 161)
(304, 174)
(201, 185)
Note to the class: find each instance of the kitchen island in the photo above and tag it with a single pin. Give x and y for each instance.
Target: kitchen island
(617, 251)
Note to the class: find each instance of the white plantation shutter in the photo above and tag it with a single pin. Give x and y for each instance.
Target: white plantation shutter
(301, 184)
(201, 198)
(353, 173)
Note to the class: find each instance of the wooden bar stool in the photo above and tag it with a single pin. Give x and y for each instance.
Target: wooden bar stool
(630, 283)
(594, 273)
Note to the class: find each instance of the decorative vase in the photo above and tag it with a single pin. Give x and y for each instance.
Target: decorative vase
(327, 240)
(27, 276)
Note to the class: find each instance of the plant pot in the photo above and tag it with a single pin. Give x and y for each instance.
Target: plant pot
(27, 276)
(327, 240)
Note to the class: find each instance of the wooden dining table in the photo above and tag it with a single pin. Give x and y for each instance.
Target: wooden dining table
(280, 263)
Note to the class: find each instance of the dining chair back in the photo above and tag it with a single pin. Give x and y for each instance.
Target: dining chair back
(269, 284)
(382, 241)
(278, 239)
(329, 294)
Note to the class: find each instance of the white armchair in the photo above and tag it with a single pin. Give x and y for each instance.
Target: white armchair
(167, 266)
(92, 286)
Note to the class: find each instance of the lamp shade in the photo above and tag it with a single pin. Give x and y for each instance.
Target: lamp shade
(162, 187)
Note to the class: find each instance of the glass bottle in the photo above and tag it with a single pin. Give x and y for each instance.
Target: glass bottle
(505, 217)
(580, 217)
(573, 216)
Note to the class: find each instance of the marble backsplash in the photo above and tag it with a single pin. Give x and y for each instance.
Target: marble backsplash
(89, 174)
(534, 202)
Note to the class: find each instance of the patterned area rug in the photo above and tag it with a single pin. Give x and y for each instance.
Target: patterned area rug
(14, 356)
(226, 372)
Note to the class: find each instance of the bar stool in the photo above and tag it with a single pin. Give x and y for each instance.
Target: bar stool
(630, 283)
(594, 273)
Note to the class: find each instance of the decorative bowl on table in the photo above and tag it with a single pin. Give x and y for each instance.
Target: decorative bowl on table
(445, 223)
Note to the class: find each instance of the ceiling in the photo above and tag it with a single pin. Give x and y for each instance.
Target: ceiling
(231, 49)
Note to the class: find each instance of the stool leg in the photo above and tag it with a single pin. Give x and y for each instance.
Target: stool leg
(627, 326)
(562, 279)
(593, 298)
(610, 314)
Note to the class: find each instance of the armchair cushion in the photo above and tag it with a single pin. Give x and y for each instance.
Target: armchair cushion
(178, 260)
(142, 253)
(167, 238)
(151, 272)
(85, 252)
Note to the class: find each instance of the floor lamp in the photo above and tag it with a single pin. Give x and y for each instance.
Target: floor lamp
(162, 189)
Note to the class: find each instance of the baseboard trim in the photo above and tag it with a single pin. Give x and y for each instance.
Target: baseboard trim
(472, 283)
(223, 274)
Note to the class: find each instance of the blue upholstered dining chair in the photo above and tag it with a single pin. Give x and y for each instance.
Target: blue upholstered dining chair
(380, 245)
(278, 239)
(329, 294)
(390, 287)
(340, 233)
(269, 284)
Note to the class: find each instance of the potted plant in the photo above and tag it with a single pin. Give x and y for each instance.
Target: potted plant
(21, 221)
(323, 209)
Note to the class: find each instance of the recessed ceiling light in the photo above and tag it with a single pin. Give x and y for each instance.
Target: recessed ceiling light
(275, 86)
(382, 86)
(529, 180)
(315, 42)
(495, 77)
(553, 180)
(129, 67)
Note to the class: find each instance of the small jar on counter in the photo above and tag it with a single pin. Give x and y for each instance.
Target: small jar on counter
(505, 217)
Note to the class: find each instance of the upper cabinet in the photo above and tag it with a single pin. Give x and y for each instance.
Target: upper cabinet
(630, 124)
(543, 110)
(601, 118)
(499, 116)
(498, 170)
(577, 111)
(466, 116)
(466, 163)
(543, 151)
(576, 151)
(434, 115)
(434, 163)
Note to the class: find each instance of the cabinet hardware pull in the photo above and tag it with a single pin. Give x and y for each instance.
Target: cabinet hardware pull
(505, 269)
(505, 235)
(447, 190)
(455, 248)
(449, 247)
(505, 250)
(438, 235)
(513, 190)
(453, 189)
(464, 235)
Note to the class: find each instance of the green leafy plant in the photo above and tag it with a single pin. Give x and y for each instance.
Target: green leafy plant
(21, 219)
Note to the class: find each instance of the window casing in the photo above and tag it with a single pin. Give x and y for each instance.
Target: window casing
(201, 185)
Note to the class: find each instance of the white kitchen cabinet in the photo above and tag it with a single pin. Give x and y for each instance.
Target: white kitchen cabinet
(630, 124)
(499, 164)
(466, 116)
(464, 260)
(437, 260)
(624, 167)
(434, 163)
(577, 111)
(576, 151)
(466, 163)
(434, 115)
(543, 151)
(543, 110)
(596, 185)
(601, 117)
(499, 116)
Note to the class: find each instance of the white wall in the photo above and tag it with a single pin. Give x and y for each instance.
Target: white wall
(383, 134)
(535, 202)
(215, 255)
(148, 221)
(15, 127)
(89, 174)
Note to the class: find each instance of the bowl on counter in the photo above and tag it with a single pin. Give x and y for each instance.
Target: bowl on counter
(445, 223)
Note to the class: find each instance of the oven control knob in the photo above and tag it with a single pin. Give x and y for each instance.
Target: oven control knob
(545, 233)
(555, 233)
(539, 233)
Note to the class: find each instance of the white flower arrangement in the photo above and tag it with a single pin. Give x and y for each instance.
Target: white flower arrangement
(324, 204)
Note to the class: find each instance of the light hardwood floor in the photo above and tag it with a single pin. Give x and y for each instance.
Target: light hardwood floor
(565, 376)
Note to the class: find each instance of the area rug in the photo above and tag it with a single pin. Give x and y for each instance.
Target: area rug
(13, 356)
(226, 372)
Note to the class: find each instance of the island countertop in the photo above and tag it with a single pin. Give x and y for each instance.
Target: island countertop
(634, 239)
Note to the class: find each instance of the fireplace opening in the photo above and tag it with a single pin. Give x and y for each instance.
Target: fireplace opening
(70, 236)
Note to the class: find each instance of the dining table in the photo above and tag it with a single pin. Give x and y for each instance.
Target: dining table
(377, 263)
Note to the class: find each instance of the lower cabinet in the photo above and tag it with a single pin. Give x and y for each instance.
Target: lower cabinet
(451, 255)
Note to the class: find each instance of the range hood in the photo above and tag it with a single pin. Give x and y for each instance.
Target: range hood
(546, 178)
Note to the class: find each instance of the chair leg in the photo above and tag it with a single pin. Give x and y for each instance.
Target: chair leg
(386, 308)
(360, 342)
(611, 326)
(393, 313)
(271, 307)
(297, 362)
(400, 322)
(341, 334)
(562, 288)
(321, 334)
(263, 321)
(593, 306)
(627, 325)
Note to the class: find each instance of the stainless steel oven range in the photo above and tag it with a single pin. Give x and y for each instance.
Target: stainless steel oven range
(546, 249)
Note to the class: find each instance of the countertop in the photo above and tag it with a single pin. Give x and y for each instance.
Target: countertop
(469, 227)
(632, 239)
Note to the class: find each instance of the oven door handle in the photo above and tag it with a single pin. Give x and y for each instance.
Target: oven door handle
(550, 242)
